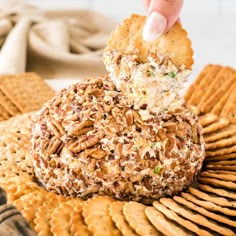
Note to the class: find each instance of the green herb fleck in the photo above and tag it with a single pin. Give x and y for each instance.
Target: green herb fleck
(150, 72)
(157, 170)
(153, 144)
(136, 148)
(171, 74)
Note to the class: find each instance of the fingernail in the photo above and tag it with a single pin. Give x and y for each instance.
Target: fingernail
(154, 27)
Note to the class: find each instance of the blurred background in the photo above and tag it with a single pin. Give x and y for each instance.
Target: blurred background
(211, 24)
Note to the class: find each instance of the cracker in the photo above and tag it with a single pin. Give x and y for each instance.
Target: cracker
(208, 205)
(219, 124)
(221, 157)
(18, 190)
(14, 148)
(216, 90)
(8, 105)
(27, 91)
(219, 218)
(78, 226)
(229, 130)
(212, 198)
(134, 213)
(18, 124)
(202, 87)
(197, 81)
(4, 113)
(207, 119)
(1, 118)
(217, 109)
(221, 143)
(195, 217)
(116, 213)
(128, 38)
(226, 177)
(60, 218)
(221, 151)
(221, 167)
(163, 224)
(217, 191)
(29, 204)
(44, 213)
(227, 162)
(8, 171)
(97, 217)
(181, 221)
(229, 110)
(224, 172)
(218, 183)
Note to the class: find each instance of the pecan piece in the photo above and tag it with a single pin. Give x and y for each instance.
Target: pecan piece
(137, 119)
(80, 128)
(170, 126)
(170, 144)
(53, 145)
(86, 142)
(162, 133)
(56, 128)
(96, 153)
(95, 91)
(129, 118)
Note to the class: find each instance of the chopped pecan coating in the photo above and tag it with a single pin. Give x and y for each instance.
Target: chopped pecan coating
(89, 139)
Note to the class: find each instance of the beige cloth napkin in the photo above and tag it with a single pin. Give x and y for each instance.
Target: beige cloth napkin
(55, 44)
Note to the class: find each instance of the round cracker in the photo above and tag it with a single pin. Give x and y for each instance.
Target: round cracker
(60, 218)
(116, 212)
(44, 213)
(134, 213)
(97, 217)
(128, 38)
(78, 226)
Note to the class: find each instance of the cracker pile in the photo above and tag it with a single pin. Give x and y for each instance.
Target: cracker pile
(206, 208)
(22, 93)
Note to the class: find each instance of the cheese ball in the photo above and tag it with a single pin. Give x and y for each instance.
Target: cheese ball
(89, 139)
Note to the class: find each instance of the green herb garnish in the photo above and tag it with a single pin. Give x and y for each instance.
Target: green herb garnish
(153, 144)
(171, 74)
(136, 148)
(157, 170)
(150, 72)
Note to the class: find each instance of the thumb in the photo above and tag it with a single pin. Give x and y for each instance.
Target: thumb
(161, 16)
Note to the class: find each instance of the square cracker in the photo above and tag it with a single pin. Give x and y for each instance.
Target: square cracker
(217, 183)
(127, 39)
(220, 134)
(217, 125)
(218, 107)
(208, 205)
(4, 113)
(195, 217)
(27, 91)
(172, 215)
(224, 142)
(229, 109)
(219, 192)
(203, 86)
(8, 104)
(219, 80)
(201, 210)
(221, 87)
(197, 81)
(212, 197)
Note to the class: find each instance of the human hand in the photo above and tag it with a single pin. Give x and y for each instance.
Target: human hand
(161, 16)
